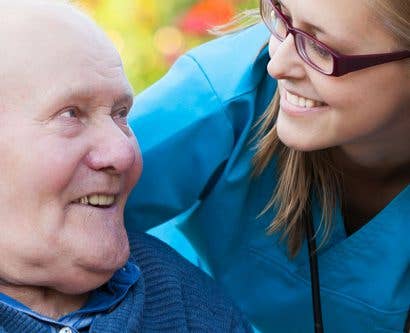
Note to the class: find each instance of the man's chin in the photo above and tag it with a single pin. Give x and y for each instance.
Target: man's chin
(84, 284)
(94, 271)
(106, 261)
(84, 281)
(106, 250)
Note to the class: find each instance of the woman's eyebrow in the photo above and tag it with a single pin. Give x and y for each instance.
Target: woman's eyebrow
(311, 26)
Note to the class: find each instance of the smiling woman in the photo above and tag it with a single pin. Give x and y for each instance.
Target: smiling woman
(69, 161)
(299, 127)
(371, 114)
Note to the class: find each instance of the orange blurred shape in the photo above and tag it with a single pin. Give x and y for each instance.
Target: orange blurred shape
(205, 14)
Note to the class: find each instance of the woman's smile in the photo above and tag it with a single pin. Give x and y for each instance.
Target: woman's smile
(297, 105)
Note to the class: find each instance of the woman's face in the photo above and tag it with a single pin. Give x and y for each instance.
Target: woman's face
(362, 109)
(68, 158)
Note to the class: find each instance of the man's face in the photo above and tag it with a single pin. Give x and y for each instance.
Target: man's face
(68, 158)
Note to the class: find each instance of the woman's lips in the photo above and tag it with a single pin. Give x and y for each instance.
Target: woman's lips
(298, 105)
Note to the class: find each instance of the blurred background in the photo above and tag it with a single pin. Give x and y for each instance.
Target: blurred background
(151, 34)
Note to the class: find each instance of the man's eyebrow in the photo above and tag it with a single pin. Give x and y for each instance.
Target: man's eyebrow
(125, 99)
(88, 94)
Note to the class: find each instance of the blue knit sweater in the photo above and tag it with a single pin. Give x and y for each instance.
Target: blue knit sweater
(171, 296)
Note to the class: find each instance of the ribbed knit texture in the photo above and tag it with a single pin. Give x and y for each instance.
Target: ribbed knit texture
(171, 296)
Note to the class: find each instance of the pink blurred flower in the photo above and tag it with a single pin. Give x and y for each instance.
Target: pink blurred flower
(205, 14)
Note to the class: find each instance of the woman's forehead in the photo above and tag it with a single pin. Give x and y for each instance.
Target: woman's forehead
(350, 22)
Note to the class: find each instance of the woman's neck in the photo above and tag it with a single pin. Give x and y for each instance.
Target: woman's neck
(381, 162)
(370, 182)
(45, 301)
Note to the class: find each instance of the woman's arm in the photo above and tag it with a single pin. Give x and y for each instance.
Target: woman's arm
(189, 123)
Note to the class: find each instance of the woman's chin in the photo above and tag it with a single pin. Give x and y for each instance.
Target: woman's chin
(297, 140)
(294, 143)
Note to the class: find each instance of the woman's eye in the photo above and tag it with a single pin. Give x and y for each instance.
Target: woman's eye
(321, 51)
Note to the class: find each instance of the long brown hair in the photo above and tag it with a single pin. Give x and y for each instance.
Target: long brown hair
(303, 174)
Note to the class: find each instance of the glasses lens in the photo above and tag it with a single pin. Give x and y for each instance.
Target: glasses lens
(315, 54)
(272, 19)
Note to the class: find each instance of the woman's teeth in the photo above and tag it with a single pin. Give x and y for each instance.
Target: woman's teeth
(97, 200)
(302, 101)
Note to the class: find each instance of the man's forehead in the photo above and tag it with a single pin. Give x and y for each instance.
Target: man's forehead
(46, 28)
(112, 94)
(35, 4)
(33, 20)
(50, 47)
(17, 12)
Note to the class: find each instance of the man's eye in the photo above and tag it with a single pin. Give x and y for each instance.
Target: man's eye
(71, 112)
(121, 114)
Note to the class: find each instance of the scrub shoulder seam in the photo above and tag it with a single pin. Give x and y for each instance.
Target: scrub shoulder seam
(222, 101)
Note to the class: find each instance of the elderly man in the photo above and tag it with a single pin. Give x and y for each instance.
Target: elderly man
(68, 162)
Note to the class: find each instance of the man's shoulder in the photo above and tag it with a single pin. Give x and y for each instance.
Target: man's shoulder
(177, 287)
(149, 253)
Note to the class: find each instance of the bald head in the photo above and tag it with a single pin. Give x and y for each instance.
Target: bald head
(20, 9)
(29, 15)
(45, 42)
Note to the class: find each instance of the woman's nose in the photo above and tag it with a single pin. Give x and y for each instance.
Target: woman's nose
(285, 61)
(114, 149)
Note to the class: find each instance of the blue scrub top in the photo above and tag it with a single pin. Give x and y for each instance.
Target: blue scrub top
(195, 128)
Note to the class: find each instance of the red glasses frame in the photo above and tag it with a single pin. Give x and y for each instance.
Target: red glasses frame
(342, 64)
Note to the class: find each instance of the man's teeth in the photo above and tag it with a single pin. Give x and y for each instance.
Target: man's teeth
(302, 101)
(97, 200)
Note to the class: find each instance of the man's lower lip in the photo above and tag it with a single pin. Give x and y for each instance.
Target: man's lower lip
(295, 110)
(100, 208)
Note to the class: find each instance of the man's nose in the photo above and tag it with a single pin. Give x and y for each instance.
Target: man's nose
(285, 61)
(114, 148)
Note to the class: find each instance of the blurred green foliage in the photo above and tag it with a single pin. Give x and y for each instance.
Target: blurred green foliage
(149, 34)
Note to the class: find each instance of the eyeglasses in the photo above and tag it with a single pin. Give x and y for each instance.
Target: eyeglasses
(315, 53)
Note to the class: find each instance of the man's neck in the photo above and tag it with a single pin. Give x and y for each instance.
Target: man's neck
(45, 301)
